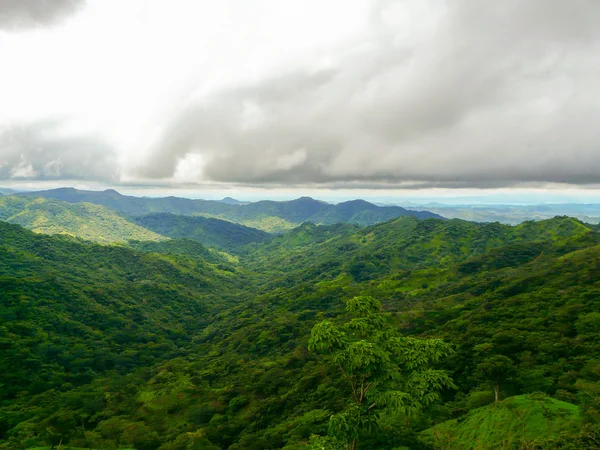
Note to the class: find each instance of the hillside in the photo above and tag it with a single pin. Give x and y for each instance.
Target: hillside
(215, 351)
(83, 220)
(183, 246)
(72, 310)
(517, 422)
(210, 232)
(265, 215)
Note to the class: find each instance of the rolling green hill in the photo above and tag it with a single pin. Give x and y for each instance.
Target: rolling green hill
(265, 215)
(522, 421)
(83, 220)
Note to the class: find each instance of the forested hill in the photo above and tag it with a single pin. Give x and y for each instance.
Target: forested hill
(216, 233)
(159, 348)
(265, 215)
(71, 310)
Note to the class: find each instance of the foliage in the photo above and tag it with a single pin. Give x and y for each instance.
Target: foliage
(384, 370)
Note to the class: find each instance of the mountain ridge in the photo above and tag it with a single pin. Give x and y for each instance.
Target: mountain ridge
(267, 215)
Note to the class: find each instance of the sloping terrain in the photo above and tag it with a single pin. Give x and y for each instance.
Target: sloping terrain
(162, 350)
(72, 312)
(517, 422)
(83, 220)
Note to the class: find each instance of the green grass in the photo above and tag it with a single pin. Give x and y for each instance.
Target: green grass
(517, 422)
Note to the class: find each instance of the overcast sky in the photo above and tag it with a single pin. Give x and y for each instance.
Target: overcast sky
(301, 96)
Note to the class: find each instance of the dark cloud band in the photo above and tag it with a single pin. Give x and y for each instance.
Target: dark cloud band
(46, 151)
(24, 14)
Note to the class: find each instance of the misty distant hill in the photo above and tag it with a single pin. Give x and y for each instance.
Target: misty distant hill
(515, 214)
(266, 215)
(232, 201)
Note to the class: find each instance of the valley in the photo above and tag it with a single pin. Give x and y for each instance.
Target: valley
(183, 331)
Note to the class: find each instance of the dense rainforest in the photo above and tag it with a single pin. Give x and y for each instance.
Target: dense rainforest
(178, 333)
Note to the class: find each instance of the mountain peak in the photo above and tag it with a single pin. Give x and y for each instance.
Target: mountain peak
(232, 201)
(306, 199)
(358, 201)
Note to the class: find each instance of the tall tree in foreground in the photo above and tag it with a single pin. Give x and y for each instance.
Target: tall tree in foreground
(384, 370)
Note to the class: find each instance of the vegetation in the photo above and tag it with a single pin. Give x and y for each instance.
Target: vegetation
(523, 421)
(211, 232)
(172, 345)
(385, 371)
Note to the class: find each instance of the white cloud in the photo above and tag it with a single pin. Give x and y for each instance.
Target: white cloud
(23, 169)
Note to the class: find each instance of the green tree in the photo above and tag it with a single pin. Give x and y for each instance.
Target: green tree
(384, 370)
(496, 369)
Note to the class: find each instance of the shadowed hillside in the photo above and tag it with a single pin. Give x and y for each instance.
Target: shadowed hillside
(210, 232)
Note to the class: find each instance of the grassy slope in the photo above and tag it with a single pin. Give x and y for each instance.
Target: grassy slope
(517, 422)
(83, 220)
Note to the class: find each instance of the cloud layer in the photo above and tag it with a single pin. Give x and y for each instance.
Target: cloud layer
(491, 94)
(430, 93)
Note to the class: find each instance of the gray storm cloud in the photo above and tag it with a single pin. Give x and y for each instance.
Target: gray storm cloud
(490, 94)
(46, 150)
(20, 14)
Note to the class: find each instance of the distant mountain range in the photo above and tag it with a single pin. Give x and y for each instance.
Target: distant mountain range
(515, 214)
(265, 215)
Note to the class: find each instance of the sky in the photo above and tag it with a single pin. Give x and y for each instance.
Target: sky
(418, 99)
